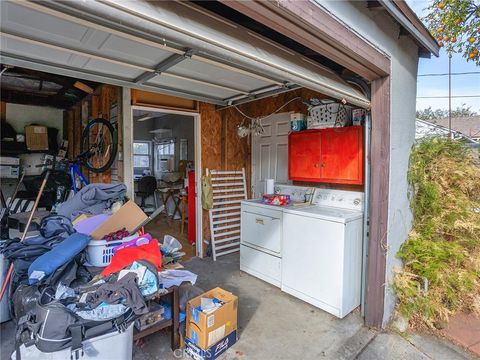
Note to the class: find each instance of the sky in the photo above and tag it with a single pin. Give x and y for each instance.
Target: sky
(438, 85)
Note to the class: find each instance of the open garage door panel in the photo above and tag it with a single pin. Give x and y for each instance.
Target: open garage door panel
(168, 47)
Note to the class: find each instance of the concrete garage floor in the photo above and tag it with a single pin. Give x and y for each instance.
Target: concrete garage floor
(274, 325)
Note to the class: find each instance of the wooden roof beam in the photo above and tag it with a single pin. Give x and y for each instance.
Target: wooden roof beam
(19, 97)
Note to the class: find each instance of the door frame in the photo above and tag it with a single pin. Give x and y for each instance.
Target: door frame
(128, 153)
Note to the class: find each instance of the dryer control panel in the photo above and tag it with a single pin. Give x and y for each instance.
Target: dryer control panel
(352, 200)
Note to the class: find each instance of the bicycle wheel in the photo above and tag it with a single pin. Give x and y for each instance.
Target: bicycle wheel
(99, 145)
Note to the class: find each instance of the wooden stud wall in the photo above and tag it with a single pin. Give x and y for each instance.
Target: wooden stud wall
(211, 134)
(98, 104)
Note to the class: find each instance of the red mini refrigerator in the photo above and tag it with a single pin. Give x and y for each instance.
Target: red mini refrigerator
(192, 236)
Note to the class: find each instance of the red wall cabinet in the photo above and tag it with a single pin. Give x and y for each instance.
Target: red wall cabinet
(333, 155)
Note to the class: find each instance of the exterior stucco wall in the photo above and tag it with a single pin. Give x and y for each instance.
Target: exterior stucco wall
(380, 30)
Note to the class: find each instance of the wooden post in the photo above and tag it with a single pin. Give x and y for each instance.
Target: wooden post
(380, 174)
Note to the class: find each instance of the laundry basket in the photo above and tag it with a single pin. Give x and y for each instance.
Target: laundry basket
(100, 252)
(329, 115)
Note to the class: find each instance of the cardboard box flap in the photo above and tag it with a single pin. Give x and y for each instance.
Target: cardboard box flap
(218, 293)
(129, 217)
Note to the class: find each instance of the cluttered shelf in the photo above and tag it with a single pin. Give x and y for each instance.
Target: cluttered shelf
(156, 320)
(153, 329)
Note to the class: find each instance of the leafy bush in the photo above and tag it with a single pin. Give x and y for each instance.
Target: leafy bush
(441, 273)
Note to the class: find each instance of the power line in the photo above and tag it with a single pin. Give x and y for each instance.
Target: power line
(446, 97)
(458, 73)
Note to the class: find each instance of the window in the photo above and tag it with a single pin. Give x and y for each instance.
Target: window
(164, 151)
(166, 147)
(141, 155)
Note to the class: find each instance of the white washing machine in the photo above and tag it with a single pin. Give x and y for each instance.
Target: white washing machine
(261, 232)
(322, 251)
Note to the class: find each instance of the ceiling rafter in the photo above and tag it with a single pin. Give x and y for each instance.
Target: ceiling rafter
(21, 97)
(69, 92)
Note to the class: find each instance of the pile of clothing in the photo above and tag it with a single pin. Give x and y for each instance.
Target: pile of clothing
(93, 199)
(64, 317)
(52, 275)
(54, 256)
(57, 254)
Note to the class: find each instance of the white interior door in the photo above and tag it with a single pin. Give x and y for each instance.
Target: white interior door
(270, 153)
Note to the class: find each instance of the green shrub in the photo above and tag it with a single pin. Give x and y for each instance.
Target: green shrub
(441, 257)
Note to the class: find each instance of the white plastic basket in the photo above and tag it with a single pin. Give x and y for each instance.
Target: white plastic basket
(100, 252)
(329, 115)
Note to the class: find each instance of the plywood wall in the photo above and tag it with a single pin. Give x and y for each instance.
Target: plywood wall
(237, 151)
(222, 149)
(211, 130)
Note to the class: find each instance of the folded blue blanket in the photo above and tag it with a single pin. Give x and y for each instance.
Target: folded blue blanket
(62, 253)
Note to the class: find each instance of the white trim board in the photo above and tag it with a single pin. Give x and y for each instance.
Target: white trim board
(198, 162)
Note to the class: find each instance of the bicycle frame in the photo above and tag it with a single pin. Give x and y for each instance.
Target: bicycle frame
(75, 170)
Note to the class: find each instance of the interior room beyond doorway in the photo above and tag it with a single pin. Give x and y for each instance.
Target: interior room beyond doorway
(164, 173)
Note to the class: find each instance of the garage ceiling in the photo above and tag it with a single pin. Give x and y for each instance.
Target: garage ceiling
(25, 86)
(169, 47)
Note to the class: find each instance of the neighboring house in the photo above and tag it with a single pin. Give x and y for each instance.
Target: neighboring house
(467, 125)
(256, 55)
(426, 129)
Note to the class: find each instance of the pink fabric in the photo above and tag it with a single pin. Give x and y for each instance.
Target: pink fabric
(88, 225)
(141, 240)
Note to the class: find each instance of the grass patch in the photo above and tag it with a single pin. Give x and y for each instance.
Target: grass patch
(441, 257)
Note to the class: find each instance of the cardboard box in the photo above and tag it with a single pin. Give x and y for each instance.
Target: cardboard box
(129, 216)
(214, 351)
(36, 137)
(205, 330)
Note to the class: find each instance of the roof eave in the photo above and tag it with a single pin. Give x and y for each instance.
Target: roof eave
(417, 30)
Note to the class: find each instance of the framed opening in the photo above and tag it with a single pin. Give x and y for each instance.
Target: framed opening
(165, 152)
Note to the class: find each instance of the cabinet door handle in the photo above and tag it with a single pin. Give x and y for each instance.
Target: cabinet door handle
(316, 165)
